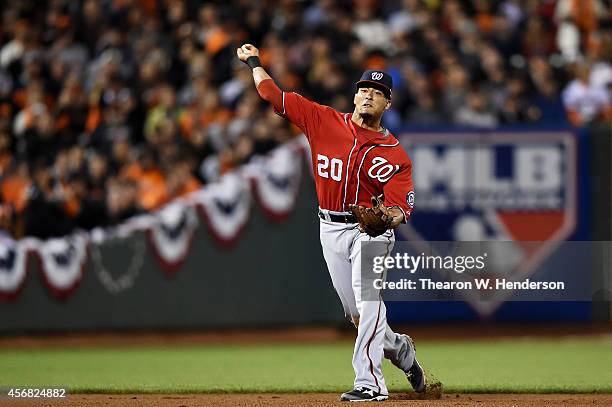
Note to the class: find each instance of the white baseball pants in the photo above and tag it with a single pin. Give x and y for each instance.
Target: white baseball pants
(341, 244)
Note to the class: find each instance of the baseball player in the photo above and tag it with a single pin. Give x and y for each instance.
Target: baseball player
(356, 163)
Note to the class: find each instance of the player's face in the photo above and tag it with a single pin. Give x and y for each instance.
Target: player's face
(371, 101)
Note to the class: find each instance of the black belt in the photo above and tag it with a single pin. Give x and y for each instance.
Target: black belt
(348, 218)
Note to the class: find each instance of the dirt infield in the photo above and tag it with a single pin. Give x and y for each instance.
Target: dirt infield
(190, 400)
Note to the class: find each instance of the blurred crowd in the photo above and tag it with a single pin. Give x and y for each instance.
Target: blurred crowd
(109, 108)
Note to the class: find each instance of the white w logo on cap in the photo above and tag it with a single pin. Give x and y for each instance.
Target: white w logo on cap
(377, 75)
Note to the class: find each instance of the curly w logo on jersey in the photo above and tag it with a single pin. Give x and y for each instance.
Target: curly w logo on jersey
(382, 170)
(501, 187)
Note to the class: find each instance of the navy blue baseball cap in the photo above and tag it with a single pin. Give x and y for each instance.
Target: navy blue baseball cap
(378, 80)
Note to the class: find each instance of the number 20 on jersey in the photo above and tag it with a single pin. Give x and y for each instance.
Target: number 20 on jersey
(327, 168)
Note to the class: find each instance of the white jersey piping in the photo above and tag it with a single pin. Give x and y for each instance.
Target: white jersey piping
(283, 104)
(361, 164)
(346, 177)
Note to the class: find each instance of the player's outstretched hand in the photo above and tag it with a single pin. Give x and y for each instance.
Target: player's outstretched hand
(375, 220)
(247, 50)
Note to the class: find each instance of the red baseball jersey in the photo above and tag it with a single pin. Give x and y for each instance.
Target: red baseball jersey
(351, 163)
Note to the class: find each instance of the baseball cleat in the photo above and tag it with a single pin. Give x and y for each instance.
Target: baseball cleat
(416, 374)
(363, 394)
(416, 377)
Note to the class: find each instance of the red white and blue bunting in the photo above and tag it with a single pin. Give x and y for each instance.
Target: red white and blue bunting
(62, 262)
(276, 182)
(224, 207)
(171, 237)
(13, 268)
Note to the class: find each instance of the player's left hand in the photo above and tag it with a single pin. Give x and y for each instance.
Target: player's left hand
(375, 220)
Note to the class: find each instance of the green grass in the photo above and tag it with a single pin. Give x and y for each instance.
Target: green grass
(542, 366)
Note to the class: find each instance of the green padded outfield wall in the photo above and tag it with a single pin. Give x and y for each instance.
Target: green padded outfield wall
(274, 275)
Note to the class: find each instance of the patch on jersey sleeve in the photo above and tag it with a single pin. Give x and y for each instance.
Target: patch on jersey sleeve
(410, 199)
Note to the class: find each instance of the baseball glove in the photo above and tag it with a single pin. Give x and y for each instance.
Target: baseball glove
(375, 220)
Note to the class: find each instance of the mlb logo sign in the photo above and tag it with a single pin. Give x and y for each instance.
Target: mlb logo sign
(518, 187)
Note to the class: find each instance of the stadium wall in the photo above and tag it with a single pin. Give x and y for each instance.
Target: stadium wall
(275, 274)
